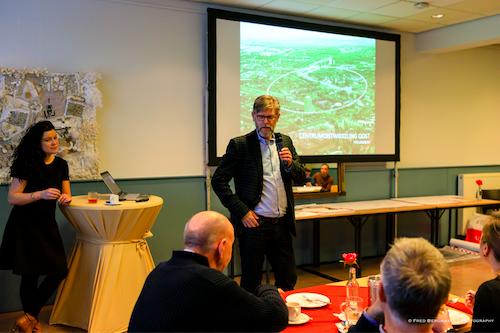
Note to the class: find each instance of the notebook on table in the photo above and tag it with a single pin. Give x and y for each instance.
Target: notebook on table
(115, 189)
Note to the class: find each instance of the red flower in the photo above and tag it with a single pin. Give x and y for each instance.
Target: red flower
(479, 182)
(349, 258)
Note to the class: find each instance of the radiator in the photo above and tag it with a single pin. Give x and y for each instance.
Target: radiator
(467, 188)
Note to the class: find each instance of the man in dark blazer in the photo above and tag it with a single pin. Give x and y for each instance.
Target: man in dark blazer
(263, 164)
(189, 293)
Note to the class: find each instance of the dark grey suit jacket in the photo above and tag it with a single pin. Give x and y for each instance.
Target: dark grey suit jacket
(243, 163)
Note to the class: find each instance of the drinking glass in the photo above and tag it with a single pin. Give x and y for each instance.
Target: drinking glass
(92, 197)
(352, 308)
(373, 286)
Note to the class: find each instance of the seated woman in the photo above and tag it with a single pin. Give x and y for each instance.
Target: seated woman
(486, 314)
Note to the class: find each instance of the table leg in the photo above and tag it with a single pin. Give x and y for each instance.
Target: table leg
(435, 216)
(389, 231)
(316, 243)
(358, 222)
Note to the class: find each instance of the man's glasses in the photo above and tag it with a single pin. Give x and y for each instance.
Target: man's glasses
(261, 117)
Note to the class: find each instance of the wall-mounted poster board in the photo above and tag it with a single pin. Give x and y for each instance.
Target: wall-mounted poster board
(68, 100)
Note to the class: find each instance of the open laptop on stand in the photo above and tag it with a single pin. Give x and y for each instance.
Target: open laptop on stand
(115, 189)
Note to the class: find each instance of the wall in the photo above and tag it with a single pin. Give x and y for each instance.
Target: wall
(152, 61)
(152, 58)
(449, 107)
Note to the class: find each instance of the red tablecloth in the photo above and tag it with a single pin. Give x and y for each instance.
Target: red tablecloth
(460, 306)
(323, 319)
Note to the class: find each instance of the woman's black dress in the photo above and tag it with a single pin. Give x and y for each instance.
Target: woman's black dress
(31, 242)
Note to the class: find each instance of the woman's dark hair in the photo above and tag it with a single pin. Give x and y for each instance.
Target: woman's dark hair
(28, 156)
(491, 236)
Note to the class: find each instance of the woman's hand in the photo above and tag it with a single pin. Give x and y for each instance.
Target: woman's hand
(470, 296)
(50, 194)
(64, 199)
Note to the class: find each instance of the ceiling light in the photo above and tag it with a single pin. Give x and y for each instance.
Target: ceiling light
(437, 16)
(421, 4)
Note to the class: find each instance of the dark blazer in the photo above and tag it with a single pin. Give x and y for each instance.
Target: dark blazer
(243, 163)
(487, 307)
(185, 295)
(363, 326)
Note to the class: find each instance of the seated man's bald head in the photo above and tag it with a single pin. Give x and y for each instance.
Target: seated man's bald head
(205, 229)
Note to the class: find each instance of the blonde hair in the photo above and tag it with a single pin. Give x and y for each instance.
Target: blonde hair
(416, 279)
(491, 236)
(265, 102)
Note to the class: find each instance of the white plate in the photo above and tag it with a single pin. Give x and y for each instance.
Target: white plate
(302, 319)
(309, 300)
(112, 204)
(458, 318)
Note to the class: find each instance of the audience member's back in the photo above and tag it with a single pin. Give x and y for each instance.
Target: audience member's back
(188, 293)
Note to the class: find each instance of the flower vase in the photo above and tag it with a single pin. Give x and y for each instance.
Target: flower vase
(352, 286)
(479, 193)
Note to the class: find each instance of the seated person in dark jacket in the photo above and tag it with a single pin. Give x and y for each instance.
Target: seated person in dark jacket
(323, 178)
(190, 293)
(486, 315)
(415, 284)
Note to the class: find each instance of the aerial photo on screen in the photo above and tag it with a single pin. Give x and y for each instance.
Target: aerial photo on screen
(325, 83)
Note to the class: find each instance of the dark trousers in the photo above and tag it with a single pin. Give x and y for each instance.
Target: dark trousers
(273, 241)
(34, 296)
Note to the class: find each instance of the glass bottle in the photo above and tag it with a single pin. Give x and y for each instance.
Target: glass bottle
(479, 193)
(352, 286)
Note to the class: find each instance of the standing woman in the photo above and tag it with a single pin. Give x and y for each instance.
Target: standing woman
(32, 245)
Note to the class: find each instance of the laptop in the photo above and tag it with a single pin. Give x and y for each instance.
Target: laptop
(115, 189)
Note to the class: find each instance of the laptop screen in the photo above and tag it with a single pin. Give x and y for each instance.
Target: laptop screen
(110, 183)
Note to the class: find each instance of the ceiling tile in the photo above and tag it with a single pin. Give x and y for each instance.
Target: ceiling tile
(485, 7)
(332, 13)
(438, 3)
(450, 16)
(400, 9)
(362, 5)
(370, 18)
(238, 3)
(375, 13)
(410, 25)
(318, 2)
(289, 6)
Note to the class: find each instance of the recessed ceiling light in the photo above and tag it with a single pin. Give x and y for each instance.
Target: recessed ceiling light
(437, 16)
(421, 4)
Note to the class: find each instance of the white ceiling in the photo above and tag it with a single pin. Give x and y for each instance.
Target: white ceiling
(399, 15)
(465, 24)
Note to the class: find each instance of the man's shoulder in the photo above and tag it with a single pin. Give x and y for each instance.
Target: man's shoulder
(489, 287)
(243, 139)
(193, 272)
(284, 136)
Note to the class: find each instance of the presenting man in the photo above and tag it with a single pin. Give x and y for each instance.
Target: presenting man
(263, 164)
(189, 293)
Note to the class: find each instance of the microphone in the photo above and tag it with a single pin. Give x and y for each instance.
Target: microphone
(279, 141)
(279, 145)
